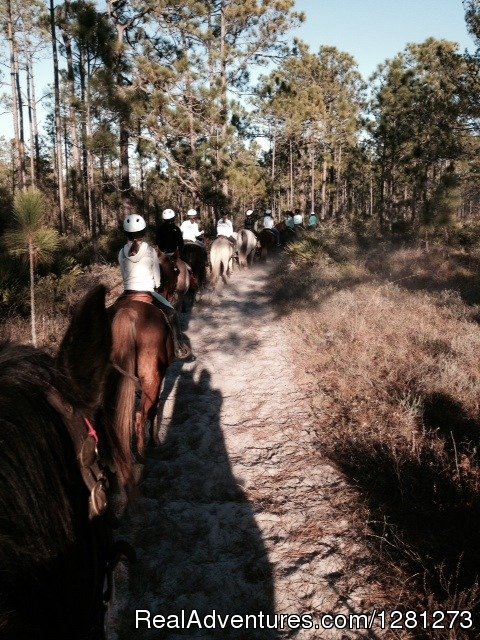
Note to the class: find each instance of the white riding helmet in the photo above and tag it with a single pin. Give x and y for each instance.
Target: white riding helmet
(249, 212)
(134, 223)
(297, 219)
(168, 214)
(192, 213)
(268, 212)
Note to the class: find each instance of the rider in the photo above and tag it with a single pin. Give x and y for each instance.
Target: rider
(298, 222)
(268, 223)
(312, 220)
(190, 230)
(250, 220)
(289, 220)
(225, 229)
(169, 237)
(141, 273)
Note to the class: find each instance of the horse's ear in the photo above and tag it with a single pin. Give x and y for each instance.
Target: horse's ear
(84, 355)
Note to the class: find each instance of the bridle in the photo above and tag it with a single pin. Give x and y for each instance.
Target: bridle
(85, 441)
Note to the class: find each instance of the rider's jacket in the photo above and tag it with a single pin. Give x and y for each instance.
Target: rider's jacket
(140, 272)
(169, 238)
(224, 228)
(190, 230)
(250, 223)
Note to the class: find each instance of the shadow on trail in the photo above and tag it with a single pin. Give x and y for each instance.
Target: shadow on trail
(197, 541)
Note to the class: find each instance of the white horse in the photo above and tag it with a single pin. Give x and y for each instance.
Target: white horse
(246, 243)
(221, 254)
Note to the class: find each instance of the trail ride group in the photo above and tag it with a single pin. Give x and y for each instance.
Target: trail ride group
(73, 427)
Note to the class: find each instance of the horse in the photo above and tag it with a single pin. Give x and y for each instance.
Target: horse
(142, 350)
(246, 243)
(55, 540)
(268, 242)
(221, 254)
(195, 256)
(176, 278)
(287, 234)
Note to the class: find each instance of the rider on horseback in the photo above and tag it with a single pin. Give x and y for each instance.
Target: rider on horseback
(225, 229)
(268, 223)
(141, 274)
(190, 230)
(169, 238)
(250, 220)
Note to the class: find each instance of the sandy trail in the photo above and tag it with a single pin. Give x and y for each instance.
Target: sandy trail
(238, 512)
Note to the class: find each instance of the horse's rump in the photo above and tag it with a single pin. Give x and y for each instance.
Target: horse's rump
(195, 256)
(142, 350)
(267, 240)
(247, 243)
(221, 253)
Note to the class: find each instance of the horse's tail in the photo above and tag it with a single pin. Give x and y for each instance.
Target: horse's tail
(124, 352)
(242, 243)
(215, 263)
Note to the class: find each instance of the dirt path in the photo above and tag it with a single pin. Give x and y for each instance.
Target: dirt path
(238, 513)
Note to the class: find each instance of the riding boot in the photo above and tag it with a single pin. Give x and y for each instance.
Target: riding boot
(181, 348)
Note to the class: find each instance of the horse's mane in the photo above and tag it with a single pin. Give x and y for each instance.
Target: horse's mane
(43, 504)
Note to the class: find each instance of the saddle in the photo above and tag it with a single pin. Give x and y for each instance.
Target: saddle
(269, 230)
(139, 296)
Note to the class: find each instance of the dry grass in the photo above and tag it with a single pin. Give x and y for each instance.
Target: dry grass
(53, 314)
(391, 347)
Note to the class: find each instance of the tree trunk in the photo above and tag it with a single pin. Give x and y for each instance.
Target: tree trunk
(88, 197)
(291, 175)
(34, 119)
(312, 181)
(324, 187)
(78, 186)
(90, 170)
(16, 103)
(224, 89)
(31, 259)
(58, 129)
(33, 177)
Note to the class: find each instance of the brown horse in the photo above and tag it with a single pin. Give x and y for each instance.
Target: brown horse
(176, 278)
(196, 256)
(268, 242)
(55, 542)
(142, 350)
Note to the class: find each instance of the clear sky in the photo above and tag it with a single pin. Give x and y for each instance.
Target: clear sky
(370, 30)
(374, 30)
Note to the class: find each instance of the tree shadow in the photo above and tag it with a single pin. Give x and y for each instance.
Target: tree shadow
(448, 418)
(195, 534)
(422, 516)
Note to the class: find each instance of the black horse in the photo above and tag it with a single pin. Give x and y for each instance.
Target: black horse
(196, 256)
(55, 545)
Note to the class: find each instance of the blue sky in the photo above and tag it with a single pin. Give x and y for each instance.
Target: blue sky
(374, 30)
(370, 30)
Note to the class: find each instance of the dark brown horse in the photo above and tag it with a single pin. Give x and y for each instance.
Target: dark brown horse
(176, 278)
(268, 242)
(54, 551)
(287, 234)
(196, 256)
(142, 350)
